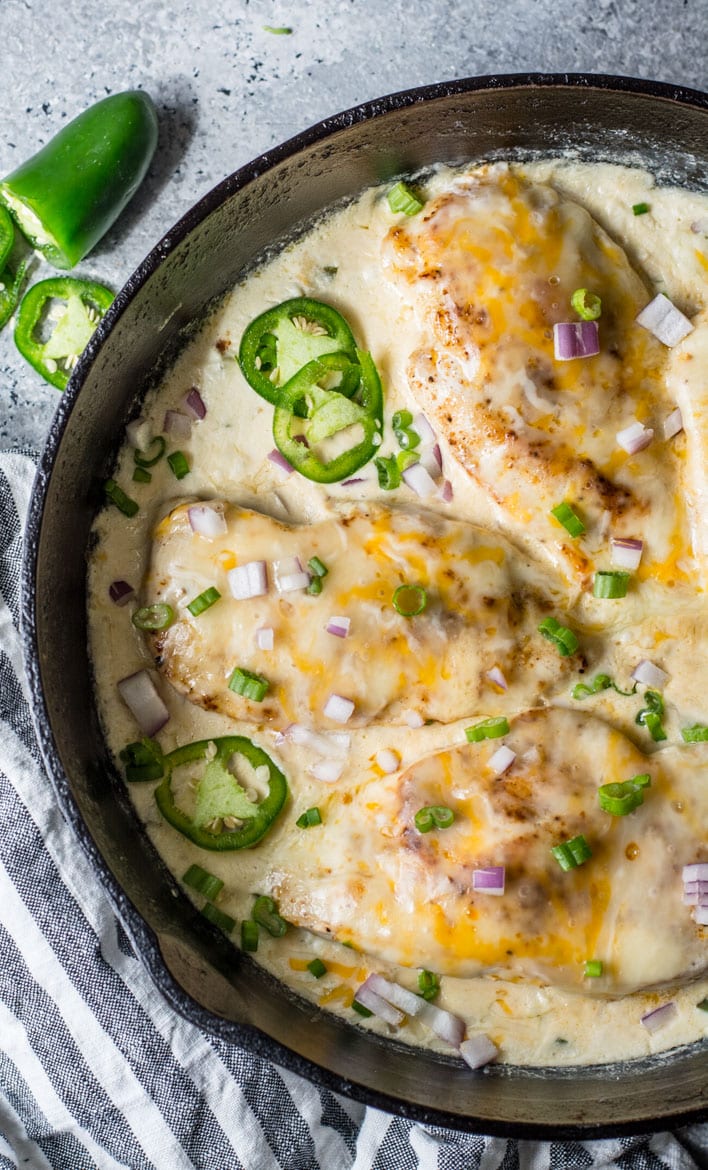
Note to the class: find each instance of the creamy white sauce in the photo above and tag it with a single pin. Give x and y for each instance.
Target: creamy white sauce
(531, 1024)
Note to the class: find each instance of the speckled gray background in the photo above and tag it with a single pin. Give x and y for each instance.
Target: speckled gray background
(226, 89)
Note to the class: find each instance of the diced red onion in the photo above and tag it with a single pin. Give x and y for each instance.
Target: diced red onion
(413, 718)
(120, 592)
(700, 227)
(496, 676)
(656, 1018)
(575, 339)
(698, 872)
(357, 479)
(368, 998)
(138, 433)
(664, 320)
(339, 626)
(444, 1024)
(695, 897)
(388, 760)
(446, 492)
(338, 708)
(650, 675)
(626, 552)
(502, 760)
(264, 638)
(634, 438)
(206, 521)
(701, 915)
(249, 580)
(699, 887)
(490, 880)
(394, 994)
(177, 424)
(139, 694)
(289, 575)
(478, 1051)
(419, 480)
(327, 770)
(430, 461)
(673, 424)
(422, 427)
(194, 404)
(280, 461)
(334, 745)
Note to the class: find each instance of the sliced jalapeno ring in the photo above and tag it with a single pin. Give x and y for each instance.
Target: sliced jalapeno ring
(55, 358)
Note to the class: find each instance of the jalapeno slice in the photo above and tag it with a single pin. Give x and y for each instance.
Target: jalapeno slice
(10, 290)
(329, 412)
(224, 816)
(278, 343)
(7, 236)
(86, 302)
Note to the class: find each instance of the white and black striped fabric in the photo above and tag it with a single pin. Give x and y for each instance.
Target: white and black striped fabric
(96, 1070)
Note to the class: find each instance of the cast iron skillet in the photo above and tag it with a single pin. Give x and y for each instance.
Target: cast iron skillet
(661, 127)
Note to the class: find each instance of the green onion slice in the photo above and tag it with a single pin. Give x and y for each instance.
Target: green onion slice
(410, 600)
(204, 601)
(143, 760)
(252, 686)
(586, 304)
(487, 729)
(317, 968)
(144, 460)
(564, 639)
(153, 617)
(428, 984)
(640, 208)
(249, 935)
(572, 853)
(651, 715)
(359, 1007)
(118, 497)
(407, 439)
(696, 734)
(402, 198)
(388, 471)
(178, 462)
(593, 968)
(401, 420)
(317, 567)
(223, 921)
(203, 882)
(265, 913)
(570, 520)
(618, 799)
(601, 682)
(610, 583)
(434, 816)
(140, 475)
(311, 816)
(315, 587)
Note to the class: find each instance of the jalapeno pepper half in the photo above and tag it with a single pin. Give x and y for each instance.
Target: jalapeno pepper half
(7, 236)
(282, 340)
(67, 195)
(327, 413)
(224, 817)
(86, 302)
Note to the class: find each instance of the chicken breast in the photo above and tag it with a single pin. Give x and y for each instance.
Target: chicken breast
(431, 666)
(407, 897)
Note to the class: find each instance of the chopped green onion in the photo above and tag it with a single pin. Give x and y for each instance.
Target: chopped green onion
(619, 799)
(640, 208)
(610, 584)
(153, 617)
(696, 734)
(601, 682)
(407, 439)
(564, 639)
(317, 968)
(317, 567)
(703, 1005)
(143, 760)
(204, 601)
(650, 716)
(143, 461)
(572, 853)
(388, 471)
(410, 600)
(277, 32)
(252, 686)
(118, 497)
(406, 459)
(140, 475)
(428, 984)
(178, 462)
(401, 420)
(487, 729)
(586, 304)
(593, 969)
(249, 935)
(565, 515)
(402, 198)
(311, 816)
(359, 1007)
(265, 913)
(203, 882)
(223, 921)
(434, 816)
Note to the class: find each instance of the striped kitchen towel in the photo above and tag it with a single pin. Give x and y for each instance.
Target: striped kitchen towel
(97, 1071)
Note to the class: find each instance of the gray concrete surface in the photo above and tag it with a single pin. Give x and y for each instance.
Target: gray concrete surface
(226, 89)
